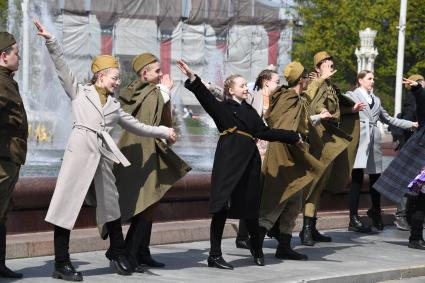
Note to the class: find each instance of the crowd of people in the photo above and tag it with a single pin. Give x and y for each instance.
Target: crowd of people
(280, 147)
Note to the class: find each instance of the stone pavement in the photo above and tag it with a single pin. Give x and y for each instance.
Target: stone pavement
(351, 257)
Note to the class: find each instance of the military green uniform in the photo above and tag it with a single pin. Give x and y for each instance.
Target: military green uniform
(335, 141)
(154, 167)
(13, 138)
(288, 169)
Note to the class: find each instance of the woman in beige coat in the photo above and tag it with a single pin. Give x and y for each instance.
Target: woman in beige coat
(89, 156)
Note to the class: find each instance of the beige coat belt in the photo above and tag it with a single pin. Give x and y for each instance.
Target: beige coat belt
(115, 154)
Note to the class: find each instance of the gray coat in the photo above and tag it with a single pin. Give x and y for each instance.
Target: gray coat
(369, 152)
(90, 152)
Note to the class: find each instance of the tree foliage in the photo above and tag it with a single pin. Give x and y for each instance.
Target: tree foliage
(334, 26)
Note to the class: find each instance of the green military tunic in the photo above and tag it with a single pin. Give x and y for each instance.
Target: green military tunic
(335, 140)
(288, 169)
(154, 166)
(13, 138)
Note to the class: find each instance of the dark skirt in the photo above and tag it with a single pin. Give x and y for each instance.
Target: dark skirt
(404, 168)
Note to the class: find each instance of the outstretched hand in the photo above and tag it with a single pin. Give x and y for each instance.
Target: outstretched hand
(359, 106)
(410, 82)
(41, 30)
(184, 68)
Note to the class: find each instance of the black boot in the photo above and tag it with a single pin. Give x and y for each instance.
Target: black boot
(356, 225)
(257, 247)
(132, 244)
(376, 216)
(284, 250)
(66, 271)
(306, 235)
(219, 262)
(144, 254)
(417, 244)
(4, 270)
(117, 252)
(317, 237)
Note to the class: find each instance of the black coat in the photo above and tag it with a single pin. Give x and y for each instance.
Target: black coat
(235, 179)
(411, 159)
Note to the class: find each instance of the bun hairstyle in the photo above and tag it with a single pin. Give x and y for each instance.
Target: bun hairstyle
(228, 83)
(361, 75)
(263, 76)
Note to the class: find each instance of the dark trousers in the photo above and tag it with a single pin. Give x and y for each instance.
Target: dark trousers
(216, 231)
(242, 231)
(356, 187)
(416, 216)
(138, 237)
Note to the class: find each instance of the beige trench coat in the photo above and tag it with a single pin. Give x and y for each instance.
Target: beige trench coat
(90, 152)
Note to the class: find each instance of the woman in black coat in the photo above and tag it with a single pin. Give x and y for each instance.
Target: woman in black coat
(410, 161)
(235, 178)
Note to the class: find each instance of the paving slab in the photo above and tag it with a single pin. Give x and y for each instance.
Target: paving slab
(351, 257)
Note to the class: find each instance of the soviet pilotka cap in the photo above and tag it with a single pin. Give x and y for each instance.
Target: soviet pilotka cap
(320, 56)
(103, 62)
(6, 40)
(142, 60)
(293, 72)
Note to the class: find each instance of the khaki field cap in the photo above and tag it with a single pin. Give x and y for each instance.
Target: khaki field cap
(142, 60)
(293, 72)
(414, 77)
(320, 56)
(6, 40)
(103, 62)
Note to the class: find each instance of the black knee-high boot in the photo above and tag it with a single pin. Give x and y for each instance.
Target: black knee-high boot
(63, 266)
(416, 219)
(117, 252)
(132, 244)
(4, 270)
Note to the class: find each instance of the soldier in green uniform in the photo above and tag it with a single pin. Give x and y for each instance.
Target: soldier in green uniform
(13, 137)
(154, 166)
(339, 135)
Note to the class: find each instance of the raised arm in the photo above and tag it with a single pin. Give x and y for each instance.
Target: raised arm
(400, 123)
(207, 100)
(131, 124)
(66, 77)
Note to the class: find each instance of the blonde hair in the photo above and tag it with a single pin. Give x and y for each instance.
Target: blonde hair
(96, 76)
(228, 83)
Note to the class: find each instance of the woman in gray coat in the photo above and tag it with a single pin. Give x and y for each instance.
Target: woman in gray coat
(89, 157)
(369, 153)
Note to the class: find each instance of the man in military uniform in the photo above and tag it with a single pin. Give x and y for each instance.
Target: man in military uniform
(340, 139)
(154, 166)
(13, 137)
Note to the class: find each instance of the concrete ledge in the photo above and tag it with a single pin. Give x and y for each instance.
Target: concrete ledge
(84, 240)
(376, 276)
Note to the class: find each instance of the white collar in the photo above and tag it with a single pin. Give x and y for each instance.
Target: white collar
(237, 99)
(366, 94)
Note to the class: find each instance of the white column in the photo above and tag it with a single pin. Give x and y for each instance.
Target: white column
(400, 56)
(25, 48)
